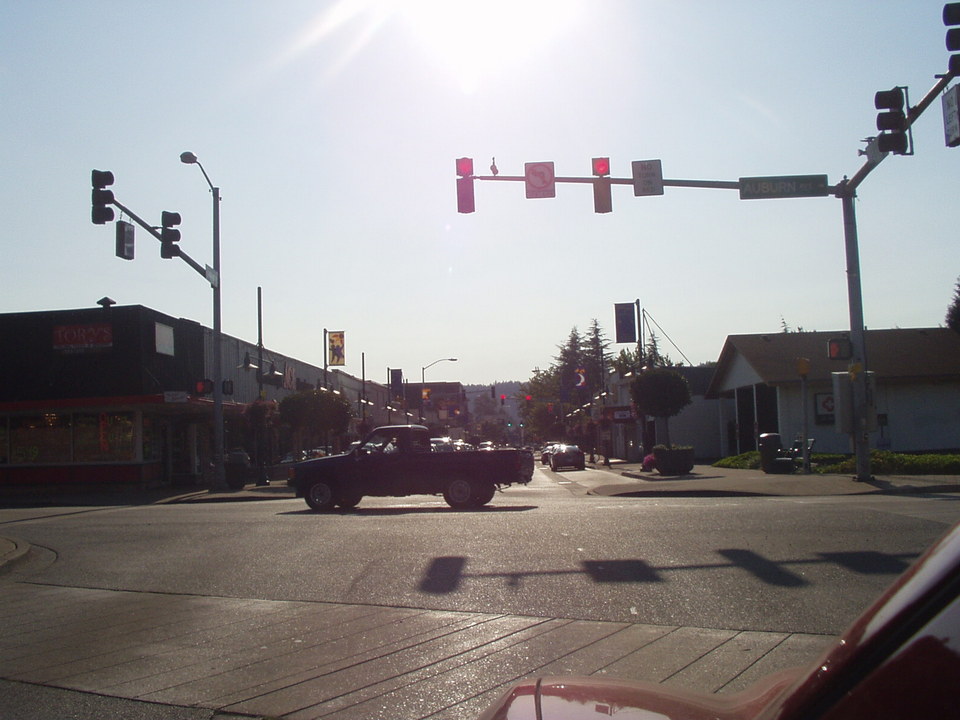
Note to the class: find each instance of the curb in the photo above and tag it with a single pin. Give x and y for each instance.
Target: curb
(12, 551)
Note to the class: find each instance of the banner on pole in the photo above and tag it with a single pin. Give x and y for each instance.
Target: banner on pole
(626, 322)
(335, 352)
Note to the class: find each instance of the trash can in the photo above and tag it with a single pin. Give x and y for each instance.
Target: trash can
(771, 460)
(237, 468)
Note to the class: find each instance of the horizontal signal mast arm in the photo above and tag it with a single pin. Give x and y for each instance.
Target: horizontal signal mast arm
(716, 184)
(150, 229)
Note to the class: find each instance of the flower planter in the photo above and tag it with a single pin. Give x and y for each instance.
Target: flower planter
(674, 461)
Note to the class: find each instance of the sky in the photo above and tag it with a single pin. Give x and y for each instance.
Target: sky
(332, 130)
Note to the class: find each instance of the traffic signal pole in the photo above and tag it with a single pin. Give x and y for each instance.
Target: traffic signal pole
(846, 191)
(809, 186)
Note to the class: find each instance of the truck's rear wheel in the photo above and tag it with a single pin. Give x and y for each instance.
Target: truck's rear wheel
(459, 494)
(320, 496)
(484, 492)
(349, 499)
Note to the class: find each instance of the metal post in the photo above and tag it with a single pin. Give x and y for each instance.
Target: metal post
(858, 361)
(219, 474)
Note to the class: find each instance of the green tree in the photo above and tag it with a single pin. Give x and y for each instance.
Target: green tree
(315, 415)
(596, 358)
(953, 311)
(662, 393)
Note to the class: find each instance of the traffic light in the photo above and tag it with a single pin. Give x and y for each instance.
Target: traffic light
(892, 122)
(465, 199)
(101, 198)
(839, 349)
(203, 387)
(169, 236)
(503, 400)
(951, 16)
(602, 201)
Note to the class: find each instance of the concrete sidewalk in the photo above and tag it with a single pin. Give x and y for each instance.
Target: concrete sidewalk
(709, 481)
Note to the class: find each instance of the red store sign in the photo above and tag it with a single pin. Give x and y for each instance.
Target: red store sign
(91, 336)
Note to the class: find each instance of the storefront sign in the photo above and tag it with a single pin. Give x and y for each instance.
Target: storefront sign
(82, 338)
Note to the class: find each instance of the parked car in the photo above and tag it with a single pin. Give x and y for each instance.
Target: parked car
(566, 456)
(899, 659)
(545, 452)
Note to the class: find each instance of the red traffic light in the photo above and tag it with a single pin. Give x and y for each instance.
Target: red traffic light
(203, 387)
(464, 167)
(601, 166)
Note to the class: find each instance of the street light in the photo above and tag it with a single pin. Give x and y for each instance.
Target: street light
(219, 476)
(423, 380)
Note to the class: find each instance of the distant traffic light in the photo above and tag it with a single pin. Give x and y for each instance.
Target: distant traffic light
(169, 236)
(203, 387)
(602, 200)
(466, 203)
(892, 122)
(101, 214)
(839, 349)
(951, 16)
(503, 399)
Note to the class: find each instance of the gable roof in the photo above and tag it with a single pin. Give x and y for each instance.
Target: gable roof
(903, 354)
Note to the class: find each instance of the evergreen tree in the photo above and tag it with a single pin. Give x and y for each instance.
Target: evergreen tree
(953, 311)
(596, 359)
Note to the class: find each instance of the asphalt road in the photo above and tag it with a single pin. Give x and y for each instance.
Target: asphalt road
(806, 565)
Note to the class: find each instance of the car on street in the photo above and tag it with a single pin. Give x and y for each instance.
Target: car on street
(545, 452)
(562, 456)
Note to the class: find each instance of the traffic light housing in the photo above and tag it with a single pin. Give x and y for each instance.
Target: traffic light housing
(892, 122)
(602, 200)
(101, 198)
(839, 349)
(169, 235)
(466, 202)
(951, 16)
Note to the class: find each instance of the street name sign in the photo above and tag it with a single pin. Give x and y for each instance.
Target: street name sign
(786, 186)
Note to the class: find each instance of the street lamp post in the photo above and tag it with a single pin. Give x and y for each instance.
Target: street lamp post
(423, 380)
(219, 475)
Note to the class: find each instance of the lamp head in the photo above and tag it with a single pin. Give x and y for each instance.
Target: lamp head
(188, 158)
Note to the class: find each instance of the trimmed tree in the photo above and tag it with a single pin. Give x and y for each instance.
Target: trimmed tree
(662, 393)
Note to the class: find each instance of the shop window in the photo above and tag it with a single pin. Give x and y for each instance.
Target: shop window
(40, 438)
(104, 437)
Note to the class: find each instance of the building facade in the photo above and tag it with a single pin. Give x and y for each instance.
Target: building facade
(122, 394)
(915, 389)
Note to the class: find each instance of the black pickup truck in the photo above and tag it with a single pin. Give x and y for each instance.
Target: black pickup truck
(398, 460)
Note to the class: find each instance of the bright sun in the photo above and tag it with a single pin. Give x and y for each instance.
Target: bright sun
(476, 39)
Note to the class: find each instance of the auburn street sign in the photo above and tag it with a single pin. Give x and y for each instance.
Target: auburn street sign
(786, 186)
